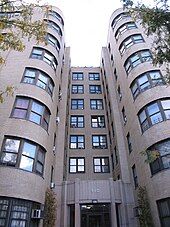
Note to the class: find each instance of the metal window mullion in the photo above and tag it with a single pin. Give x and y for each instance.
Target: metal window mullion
(20, 150)
(35, 159)
(29, 109)
(162, 111)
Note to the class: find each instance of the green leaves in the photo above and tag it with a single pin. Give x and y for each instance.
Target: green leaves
(151, 156)
(9, 91)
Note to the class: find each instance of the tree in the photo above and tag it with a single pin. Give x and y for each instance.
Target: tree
(156, 21)
(16, 23)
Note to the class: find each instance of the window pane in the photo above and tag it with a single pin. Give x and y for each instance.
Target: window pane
(153, 108)
(165, 104)
(166, 161)
(156, 118)
(97, 161)
(142, 116)
(12, 145)
(72, 161)
(72, 169)
(19, 113)
(29, 149)
(17, 223)
(37, 108)
(39, 167)
(142, 79)
(9, 158)
(155, 75)
(35, 118)
(26, 163)
(80, 168)
(81, 161)
(22, 103)
(97, 169)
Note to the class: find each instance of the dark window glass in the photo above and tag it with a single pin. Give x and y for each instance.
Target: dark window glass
(46, 56)
(163, 161)
(95, 89)
(77, 104)
(77, 121)
(135, 178)
(136, 59)
(124, 116)
(145, 81)
(154, 113)
(164, 211)
(29, 109)
(94, 76)
(119, 93)
(129, 142)
(39, 78)
(97, 122)
(77, 89)
(101, 165)
(99, 141)
(77, 76)
(96, 104)
(77, 165)
(23, 154)
(77, 142)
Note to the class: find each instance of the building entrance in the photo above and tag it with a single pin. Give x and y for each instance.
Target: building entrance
(95, 215)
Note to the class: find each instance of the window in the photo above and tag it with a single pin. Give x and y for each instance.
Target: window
(77, 104)
(119, 18)
(99, 142)
(136, 59)
(163, 161)
(119, 93)
(77, 142)
(154, 113)
(112, 162)
(38, 78)
(129, 143)
(31, 110)
(96, 104)
(53, 41)
(77, 76)
(101, 165)
(56, 15)
(124, 116)
(135, 178)
(164, 211)
(94, 76)
(77, 89)
(16, 212)
(145, 81)
(115, 73)
(23, 154)
(77, 165)
(97, 122)
(130, 41)
(46, 56)
(77, 121)
(124, 28)
(54, 26)
(95, 89)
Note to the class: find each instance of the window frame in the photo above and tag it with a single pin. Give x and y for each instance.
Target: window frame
(125, 27)
(54, 26)
(79, 106)
(96, 104)
(118, 18)
(43, 56)
(76, 165)
(135, 176)
(101, 144)
(77, 142)
(77, 123)
(98, 121)
(49, 86)
(77, 76)
(20, 153)
(95, 89)
(129, 142)
(94, 76)
(57, 16)
(167, 212)
(77, 89)
(55, 44)
(44, 117)
(101, 165)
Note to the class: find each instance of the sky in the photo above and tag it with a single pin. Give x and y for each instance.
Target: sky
(86, 27)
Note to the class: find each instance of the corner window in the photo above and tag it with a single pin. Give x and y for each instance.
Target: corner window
(164, 211)
(96, 104)
(94, 76)
(77, 89)
(97, 122)
(163, 161)
(130, 41)
(77, 165)
(46, 56)
(99, 142)
(125, 27)
(146, 81)
(24, 154)
(77, 142)
(136, 59)
(154, 113)
(77, 76)
(95, 89)
(77, 104)
(135, 177)
(129, 143)
(31, 110)
(54, 26)
(101, 165)
(118, 18)
(53, 41)
(38, 78)
(57, 16)
(77, 121)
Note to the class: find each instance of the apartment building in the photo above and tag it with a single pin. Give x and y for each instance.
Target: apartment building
(80, 131)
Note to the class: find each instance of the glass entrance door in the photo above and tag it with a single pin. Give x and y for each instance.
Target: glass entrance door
(95, 215)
